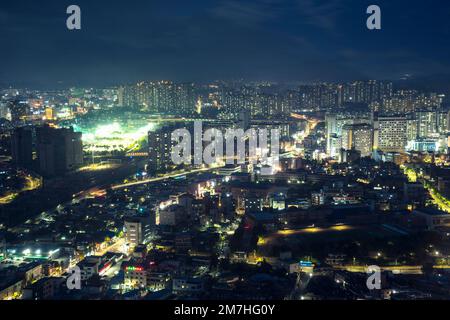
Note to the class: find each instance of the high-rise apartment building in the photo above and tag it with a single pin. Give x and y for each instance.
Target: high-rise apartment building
(427, 121)
(443, 122)
(120, 96)
(58, 150)
(408, 101)
(159, 150)
(163, 97)
(366, 91)
(22, 147)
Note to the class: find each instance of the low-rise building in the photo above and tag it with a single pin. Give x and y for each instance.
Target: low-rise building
(432, 218)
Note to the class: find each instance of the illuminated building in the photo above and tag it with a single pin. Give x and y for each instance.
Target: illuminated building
(49, 114)
(331, 134)
(432, 218)
(426, 123)
(136, 230)
(120, 96)
(164, 97)
(423, 145)
(335, 122)
(234, 101)
(408, 101)
(12, 290)
(443, 121)
(358, 137)
(143, 95)
(5, 113)
(172, 215)
(411, 129)
(159, 150)
(366, 91)
(74, 101)
(198, 106)
(187, 285)
(291, 101)
(317, 198)
(3, 248)
(324, 95)
(244, 119)
(43, 289)
(270, 105)
(333, 145)
(128, 96)
(184, 100)
(135, 276)
(278, 201)
(253, 203)
(392, 134)
(89, 267)
(400, 102)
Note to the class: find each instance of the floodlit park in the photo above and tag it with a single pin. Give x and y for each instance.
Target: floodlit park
(114, 137)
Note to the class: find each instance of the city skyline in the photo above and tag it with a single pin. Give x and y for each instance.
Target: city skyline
(237, 155)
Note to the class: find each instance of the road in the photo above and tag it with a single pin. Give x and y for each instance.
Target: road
(163, 177)
(31, 183)
(394, 269)
(308, 230)
(438, 199)
(116, 247)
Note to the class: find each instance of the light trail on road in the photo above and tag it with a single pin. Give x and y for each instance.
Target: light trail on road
(164, 177)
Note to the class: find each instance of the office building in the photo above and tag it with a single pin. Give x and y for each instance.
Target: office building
(392, 134)
(358, 137)
(137, 229)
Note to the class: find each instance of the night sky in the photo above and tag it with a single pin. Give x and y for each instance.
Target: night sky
(203, 40)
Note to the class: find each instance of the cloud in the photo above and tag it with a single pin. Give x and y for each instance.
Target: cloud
(247, 13)
(3, 17)
(320, 13)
